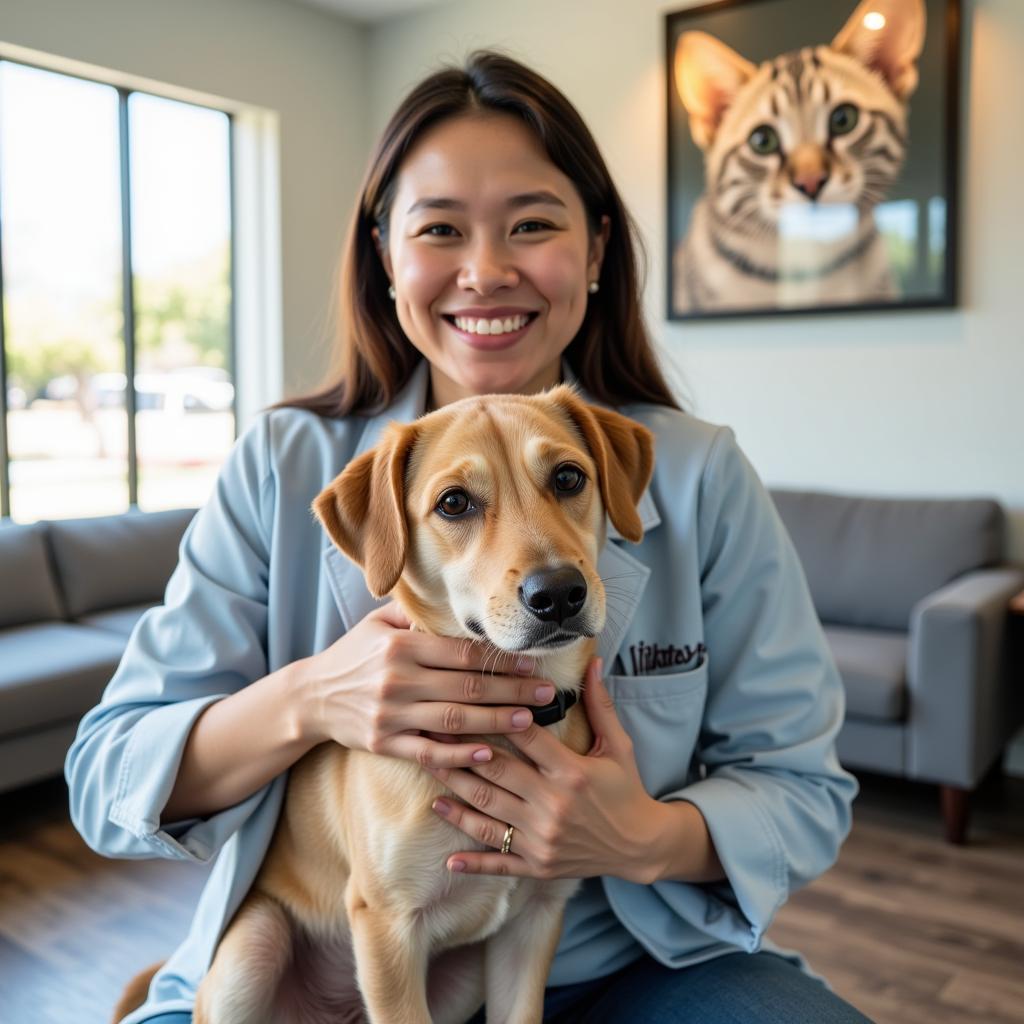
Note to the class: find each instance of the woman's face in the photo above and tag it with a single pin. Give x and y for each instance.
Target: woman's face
(490, 257)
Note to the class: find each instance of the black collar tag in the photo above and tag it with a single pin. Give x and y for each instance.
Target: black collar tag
(555, 711)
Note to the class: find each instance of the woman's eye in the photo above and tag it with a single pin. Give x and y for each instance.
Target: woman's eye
(843, 119)
(569, 479)
(764, 140)
(454, 503)
(534, 225)
(439, 230)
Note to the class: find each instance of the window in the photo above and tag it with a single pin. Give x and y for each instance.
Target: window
(116, 344)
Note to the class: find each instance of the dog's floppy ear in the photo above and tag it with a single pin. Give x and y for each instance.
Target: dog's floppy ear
(624, 452)
(363, 509)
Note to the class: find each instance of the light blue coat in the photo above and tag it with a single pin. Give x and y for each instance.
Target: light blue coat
(715, 661)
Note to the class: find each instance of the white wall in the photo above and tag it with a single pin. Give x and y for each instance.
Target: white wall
(307, 65)
(911, 403)
(915, 403)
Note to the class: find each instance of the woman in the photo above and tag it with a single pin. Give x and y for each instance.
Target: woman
(490, 252)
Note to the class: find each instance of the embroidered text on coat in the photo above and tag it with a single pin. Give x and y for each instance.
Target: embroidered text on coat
(648, 657)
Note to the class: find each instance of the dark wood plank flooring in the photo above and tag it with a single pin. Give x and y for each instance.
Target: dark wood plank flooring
(909, 929)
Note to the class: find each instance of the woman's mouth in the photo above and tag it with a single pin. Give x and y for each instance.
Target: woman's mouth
(490, 333)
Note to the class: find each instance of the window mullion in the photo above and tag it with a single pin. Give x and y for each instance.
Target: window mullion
(128, 297)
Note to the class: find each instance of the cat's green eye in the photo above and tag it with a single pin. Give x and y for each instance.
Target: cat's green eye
(843, 119)
(764, 140)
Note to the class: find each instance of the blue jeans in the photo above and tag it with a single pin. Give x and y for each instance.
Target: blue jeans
(738, 988)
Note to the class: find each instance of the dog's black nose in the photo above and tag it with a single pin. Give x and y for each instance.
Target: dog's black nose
(554, 595)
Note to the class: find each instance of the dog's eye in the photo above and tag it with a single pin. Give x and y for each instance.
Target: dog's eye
(569, 479)
(454, 503)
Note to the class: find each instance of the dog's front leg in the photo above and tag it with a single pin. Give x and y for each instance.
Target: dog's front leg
(518, 957)
(241, 986)
(391, 965)
(455, 984)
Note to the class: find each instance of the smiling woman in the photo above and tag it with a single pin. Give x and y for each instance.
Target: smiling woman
(490, 252)
(490, 233)
(490, 284)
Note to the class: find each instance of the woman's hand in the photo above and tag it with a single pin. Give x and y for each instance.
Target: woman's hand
(574, 816)
(382, 685)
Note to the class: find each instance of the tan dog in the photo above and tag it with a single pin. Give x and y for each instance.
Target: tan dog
(484, 520)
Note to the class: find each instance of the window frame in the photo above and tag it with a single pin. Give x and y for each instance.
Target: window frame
(255, 310)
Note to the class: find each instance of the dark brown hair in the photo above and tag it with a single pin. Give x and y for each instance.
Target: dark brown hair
(611, 353)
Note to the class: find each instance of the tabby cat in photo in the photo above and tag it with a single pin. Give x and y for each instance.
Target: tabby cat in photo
(823, 126)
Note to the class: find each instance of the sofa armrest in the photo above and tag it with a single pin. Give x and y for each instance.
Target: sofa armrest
(961, 706)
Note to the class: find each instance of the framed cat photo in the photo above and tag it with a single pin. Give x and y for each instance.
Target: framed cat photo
(812, 156)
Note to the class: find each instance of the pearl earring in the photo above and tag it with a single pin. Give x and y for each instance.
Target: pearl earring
(391, 292)
(592, 287)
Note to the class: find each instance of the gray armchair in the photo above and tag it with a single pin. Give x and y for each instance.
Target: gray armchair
(913, 596)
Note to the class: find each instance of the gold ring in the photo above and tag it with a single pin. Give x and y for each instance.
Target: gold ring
(506, 843)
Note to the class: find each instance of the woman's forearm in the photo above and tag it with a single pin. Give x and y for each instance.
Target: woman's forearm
(238, 744)
(683, 850)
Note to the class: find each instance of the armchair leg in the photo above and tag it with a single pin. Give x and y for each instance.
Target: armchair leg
(955, 810)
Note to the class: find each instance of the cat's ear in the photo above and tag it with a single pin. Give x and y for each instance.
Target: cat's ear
(887, 36)
(708, 75)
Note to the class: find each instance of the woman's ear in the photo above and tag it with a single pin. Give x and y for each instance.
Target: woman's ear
(382, 252)
(363, 509)
(598, 244)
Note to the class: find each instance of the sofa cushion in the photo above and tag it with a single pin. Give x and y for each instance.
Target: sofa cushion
(873, 665)
(28, 591)
(112, 561)
(119, 620)
(870, 560)
(52, 672)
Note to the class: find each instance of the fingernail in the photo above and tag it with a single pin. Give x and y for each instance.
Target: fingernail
(442, 807)
(481, 755)
(544, 693)
(526, 665)
(457, 865)
(521, 719)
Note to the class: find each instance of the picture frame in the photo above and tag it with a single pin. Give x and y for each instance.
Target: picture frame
(812, 152)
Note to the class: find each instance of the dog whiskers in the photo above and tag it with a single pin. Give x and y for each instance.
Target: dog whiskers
(493, 654)
(620, 576)
(613, 613)
(464, 646)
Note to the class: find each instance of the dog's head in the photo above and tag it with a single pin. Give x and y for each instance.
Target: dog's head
(486, 517)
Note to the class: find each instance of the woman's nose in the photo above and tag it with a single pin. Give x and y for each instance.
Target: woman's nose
(487, 267)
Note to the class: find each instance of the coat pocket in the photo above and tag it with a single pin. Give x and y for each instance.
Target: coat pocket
(662, 714)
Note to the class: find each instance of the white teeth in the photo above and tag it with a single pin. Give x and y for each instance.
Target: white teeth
(481, 326)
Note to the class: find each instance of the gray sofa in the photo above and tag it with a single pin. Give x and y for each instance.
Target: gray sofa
(70, 593)
(913, 597)
(911, 594)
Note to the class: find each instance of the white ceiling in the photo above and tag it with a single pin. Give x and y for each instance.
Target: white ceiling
(371, 10)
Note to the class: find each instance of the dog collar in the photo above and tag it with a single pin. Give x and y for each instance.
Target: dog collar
(556, 710)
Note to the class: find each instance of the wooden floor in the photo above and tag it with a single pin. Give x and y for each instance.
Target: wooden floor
(907, 928)
(910, 929)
